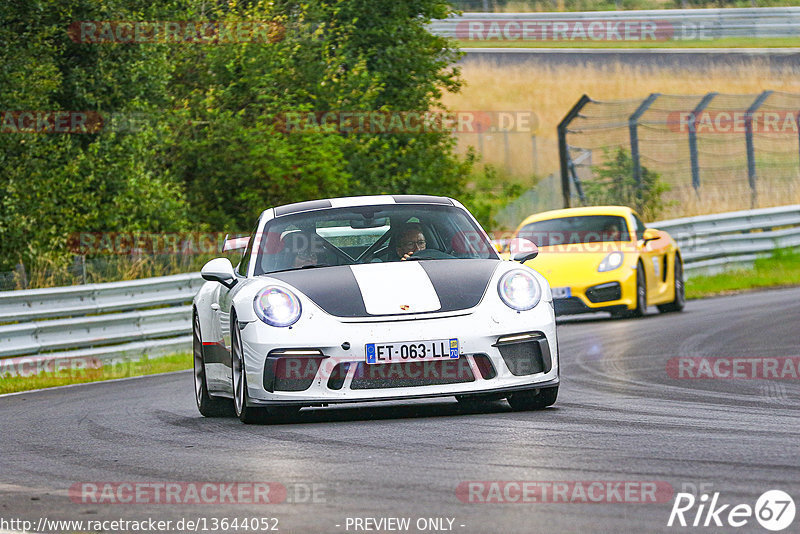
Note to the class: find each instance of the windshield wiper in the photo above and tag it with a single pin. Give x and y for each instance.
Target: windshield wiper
(314, 266)
(299, 268)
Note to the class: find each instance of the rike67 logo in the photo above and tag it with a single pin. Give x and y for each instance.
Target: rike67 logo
(774, 510)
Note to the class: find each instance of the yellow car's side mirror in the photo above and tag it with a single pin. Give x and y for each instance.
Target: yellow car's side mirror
(650, 234)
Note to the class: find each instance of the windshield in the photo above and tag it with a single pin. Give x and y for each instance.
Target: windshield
(577, 229)
(369, 234)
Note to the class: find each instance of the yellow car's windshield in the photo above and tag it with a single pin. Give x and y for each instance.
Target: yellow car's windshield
(576, 229)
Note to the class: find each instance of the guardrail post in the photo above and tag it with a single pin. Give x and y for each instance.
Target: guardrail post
(704, 102)
(751, 157)
(563, 154)
(633, 128)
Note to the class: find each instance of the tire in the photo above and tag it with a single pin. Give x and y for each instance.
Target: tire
(641, 293)
(641, 297)
(680, 290)
(241, 401)
(207, 405)
(533, 399)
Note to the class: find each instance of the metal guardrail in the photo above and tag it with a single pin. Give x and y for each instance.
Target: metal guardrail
(664, 25)
(112, 322)
(712, 243)
(71, 301)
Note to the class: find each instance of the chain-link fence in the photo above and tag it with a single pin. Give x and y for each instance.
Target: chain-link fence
(103, 268)
(713, 152)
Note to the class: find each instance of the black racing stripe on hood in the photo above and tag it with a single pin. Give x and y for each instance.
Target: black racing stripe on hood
(460, 284)
(334, 289)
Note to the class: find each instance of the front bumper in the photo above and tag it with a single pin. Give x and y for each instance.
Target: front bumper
(612, 291)
(322, 359)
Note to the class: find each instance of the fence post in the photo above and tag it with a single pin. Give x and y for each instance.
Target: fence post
(704, 102)
(751, 157)
(506, 151)
(563, 154)
(633, 124)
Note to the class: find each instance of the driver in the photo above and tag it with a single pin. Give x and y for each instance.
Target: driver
(410, 240)
(611, 232)
(302, 248)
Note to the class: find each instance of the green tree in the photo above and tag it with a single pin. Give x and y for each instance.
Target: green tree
(614, 183)
(333, 55)
(56, 185)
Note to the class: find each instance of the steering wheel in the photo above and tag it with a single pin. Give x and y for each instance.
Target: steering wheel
(430, 254)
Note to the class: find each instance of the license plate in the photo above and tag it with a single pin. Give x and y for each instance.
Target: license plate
(561, 293)
(412, 351)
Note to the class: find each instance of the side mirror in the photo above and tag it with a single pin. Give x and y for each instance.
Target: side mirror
(522, 250)
(219, 270)
(650, 234)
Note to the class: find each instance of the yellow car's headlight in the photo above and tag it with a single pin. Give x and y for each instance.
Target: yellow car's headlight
(612, 261)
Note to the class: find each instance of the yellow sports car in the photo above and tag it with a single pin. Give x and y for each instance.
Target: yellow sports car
(603, 258)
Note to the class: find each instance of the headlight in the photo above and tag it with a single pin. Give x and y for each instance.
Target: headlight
(277, 307)
(519, 290)
(611, 262)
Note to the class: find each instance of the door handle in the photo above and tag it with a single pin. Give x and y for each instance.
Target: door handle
(215, 307)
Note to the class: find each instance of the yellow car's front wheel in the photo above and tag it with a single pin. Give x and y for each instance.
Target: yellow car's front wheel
(680, 291)
(641, 296)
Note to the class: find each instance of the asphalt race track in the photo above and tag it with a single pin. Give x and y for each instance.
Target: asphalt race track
(619, 417)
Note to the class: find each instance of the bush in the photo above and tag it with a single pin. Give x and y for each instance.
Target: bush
(614, 184)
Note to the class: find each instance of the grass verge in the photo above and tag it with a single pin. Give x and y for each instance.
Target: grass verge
(781, 269)
(80, 374)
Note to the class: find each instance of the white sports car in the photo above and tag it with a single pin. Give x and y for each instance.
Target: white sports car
(370, 299)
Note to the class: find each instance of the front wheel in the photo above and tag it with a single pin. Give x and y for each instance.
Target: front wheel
(533, 399)
(241, 400)
(680, 291)
(641, 297)
(207, 405)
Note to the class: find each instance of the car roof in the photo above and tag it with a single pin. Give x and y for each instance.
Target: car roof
(622, 211)
(369, 200)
